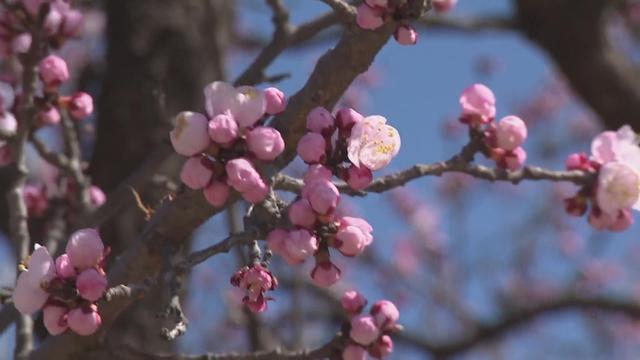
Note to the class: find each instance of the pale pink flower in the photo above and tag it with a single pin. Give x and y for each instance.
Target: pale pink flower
(373, 143)
(478, 104)
(84, 320)
(325, 274)
(443, 5)
(91, 284)
(347, 117)
(223, 129)
(246, 104)
(354, 352)
(265, 143)
(29, 294)
(195, 174)
(64, 268)
(55, 319)
(386, 314)
(301, 214)
(353, 302)
(275, 99)
(359, 178)
(320, 120)
(8, 123)
(323, 196)
(53, 70)
(80, 105)
(189, 136)
(618, 187)
(406, 34)
(312, 148)
(369, 18)
(364, 330)
(621, 146)
(511, 132)
(85, 248)
(217, 193)
(255, 280)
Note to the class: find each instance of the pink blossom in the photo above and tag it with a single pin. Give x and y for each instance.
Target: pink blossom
(618, 187)
(255, 280)
(53, 71)
(301, 214)
(386, 314)
(35, 198)
(364, 330)
(49, 116)
(323, 196)
(189, 136)
(354, 352)
(29, 294)
(363, 225)
(353, 302)
(265, 143)
(217, 193)
(84, 320)
(478, 104)
(347, 117)
(242, 176)
(621, 146)
(275, 99)
(512, 160)
(406, 34)
(320, 120)
(317, 172)
(223, 129)
(372, 143)
(55, 319)
(91, 284)
(578, 161)
(80, 105)
(299, 245)
(443, 5)
(85, 248)
(312, 148)
(21, 43)
(325, 274)
(8, 123)
(64, 268)
(195, 174)
(369, 18)
(382, 348)
(350, 240)
(511, 132)
(97, 196)
(246, 104)
(359, 178)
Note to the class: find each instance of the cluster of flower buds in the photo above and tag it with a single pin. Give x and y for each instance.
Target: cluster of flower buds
(615, 157)
(255, 279)
(67, 289)
(372, 14)
(59, 23)
(504, 138)
(225, 145)
(369, 333)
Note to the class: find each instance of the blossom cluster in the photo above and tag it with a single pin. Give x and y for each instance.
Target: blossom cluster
(67, 289)
(503, 139)
(255, 279)
(369, 333)
(227, 144)
(615, 157)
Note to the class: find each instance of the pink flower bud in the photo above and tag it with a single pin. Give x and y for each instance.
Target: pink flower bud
(382, 348)
(195, 174)
(189, 136)
(81, 105)
(64, 268)
(511, 132)
(351, 240)
(265, 143)
(362, 224)
(49, 116)
(217, 193)
(21, 43)
(478, 104)
(578, 161)
(359, 178)
(276, 240)
(512, 160)
(72, 22)
(35, 197)
(385, 313)
(354, 352)
(322, 195)
(84, 321)
(299, 245)
(320, 120)
(53, 71)
(312, 148)
(52, 22)
(576, 206)
(622, 222)
(276, 101)
(369, 18)
(223, 129)
(317, 172)
(301, 214)
(97, 196)
(85, 248)
(325, 274)
(8, 123)
(353, 302)
(364, 330)
(443, 5)
(256, 193)
(55, 319)
(241, 174)
(347, 117)
(406, 35)
(91, 284)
